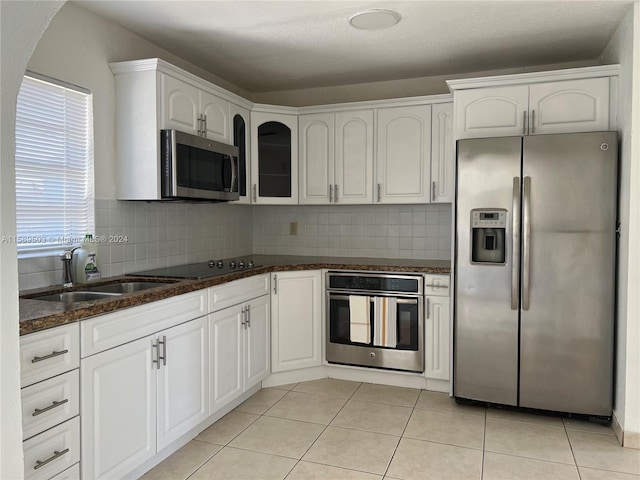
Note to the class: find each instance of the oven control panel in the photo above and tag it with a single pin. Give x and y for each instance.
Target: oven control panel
(380, 283)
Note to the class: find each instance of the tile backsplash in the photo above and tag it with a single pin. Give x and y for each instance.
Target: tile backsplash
(164, 234)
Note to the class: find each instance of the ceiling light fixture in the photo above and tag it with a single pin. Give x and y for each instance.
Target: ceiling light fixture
(375, 19)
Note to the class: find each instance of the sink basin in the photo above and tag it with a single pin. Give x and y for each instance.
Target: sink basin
(125, 287)
(98, 292)
(70, 297)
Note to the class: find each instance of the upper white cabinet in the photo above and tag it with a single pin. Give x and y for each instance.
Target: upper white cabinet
(151, 95)
(296, 320)
(274, 158)
(443, 155)
(576, 100)
(336, 157)
(403, 173)
(240, 134)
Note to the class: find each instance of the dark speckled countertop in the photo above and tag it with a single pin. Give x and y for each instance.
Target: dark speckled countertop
(36, 315)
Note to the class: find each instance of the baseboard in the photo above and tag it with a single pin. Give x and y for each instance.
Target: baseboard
(631, 440)
(617, 429)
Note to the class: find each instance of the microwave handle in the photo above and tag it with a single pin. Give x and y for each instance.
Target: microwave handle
(234, 174)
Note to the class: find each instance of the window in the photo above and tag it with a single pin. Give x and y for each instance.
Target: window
(54, 166)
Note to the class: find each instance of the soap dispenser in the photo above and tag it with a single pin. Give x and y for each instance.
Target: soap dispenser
(86, 261)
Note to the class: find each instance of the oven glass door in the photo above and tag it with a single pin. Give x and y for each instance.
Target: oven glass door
(406, 315)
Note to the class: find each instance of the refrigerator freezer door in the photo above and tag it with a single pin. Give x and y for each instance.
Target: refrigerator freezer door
(486, 326)
(566, 345)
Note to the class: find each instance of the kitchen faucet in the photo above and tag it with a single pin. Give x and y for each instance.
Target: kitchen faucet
(67, 274)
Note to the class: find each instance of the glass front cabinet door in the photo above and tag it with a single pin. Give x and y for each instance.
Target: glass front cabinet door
(241, 139)
(274, 164)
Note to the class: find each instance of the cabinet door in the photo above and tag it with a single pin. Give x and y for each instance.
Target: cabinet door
(118, 409)
(491, 112)
(257, 341)
(437, 336)
(180, 105)
(274, 158)
(316, 132)
(225, 357)
(183, 380)
(443, 157)
(354, 157)
(569, 106)
(239, 118)
(403, 157)
(216, 117)
(296, 326)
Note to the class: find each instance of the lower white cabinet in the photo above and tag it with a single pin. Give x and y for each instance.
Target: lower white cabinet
(53, 451)
(238, 350)
(141, 396)
(437, 327)
(296, 321)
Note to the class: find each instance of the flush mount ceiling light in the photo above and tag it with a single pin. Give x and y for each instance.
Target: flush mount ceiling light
(374, 19)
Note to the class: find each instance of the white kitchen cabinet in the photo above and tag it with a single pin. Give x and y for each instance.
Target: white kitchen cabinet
(571, 105)
(151, 95)
(443, 155)
(403, 167)
(53, 451)
(239, 349)
(296, 325)
(118, 404)
(274, 158)
(437, 327)
(336, 157)
(183, 380)
(240, 121)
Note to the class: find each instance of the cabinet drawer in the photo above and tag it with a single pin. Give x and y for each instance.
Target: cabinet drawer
(56, 450)
(49, 403)
(108, 331)
(238, 291)
(436, 285)
(48, 353)
(71, 473)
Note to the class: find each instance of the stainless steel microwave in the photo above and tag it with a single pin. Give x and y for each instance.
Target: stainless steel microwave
(197, 168)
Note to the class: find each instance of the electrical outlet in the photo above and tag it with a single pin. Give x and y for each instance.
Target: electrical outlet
(293, 228)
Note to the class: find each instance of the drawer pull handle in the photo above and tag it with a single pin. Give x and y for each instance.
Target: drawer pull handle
(38, 411)
(432, 285)
(56, 454)
(51, 355)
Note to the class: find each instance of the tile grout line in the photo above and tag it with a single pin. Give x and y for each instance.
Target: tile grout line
(575, 460)
(484, 444)
(413, 409)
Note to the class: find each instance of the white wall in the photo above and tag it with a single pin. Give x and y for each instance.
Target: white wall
(21, 25)
(624, 49)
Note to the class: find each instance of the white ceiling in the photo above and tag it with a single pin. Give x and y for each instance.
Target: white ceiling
(264, 46)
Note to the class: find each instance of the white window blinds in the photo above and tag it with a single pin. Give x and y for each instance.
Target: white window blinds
(54, 166)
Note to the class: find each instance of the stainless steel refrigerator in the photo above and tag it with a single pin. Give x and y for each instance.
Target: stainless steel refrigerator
(535, 271)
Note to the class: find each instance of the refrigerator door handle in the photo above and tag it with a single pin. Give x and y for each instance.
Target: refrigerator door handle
(515, 242)
(526, 242)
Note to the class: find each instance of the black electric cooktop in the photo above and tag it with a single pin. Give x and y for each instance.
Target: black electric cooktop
(197, 271)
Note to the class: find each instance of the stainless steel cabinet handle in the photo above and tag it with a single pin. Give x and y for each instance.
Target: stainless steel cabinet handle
(433, 191)
(428, 307)
(243, 314)
(379, 191)
(526, 242)
(157, 360)
(199, 125)
(275, 284)
(335, 196)
(524, 122)
(515, 242)
(249, 316)
(56, 454)
(39, 411)
(533, 121)
(51, 355)
(204, 125)
(254, 193)
(330, 193)
(162, 342)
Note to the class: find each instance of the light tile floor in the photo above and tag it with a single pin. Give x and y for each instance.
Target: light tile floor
(334, 429)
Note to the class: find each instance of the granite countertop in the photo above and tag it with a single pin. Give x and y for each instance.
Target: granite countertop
(36, 315)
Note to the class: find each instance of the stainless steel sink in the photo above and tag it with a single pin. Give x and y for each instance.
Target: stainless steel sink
(125, 287)
(71, 297)
(98, 292)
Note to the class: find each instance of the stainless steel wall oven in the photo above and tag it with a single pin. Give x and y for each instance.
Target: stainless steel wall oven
(375, 320)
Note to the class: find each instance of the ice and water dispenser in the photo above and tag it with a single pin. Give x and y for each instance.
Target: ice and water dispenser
(488, 229)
